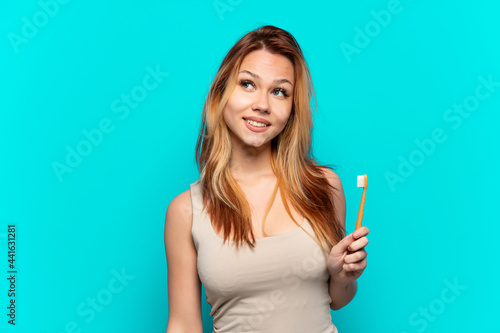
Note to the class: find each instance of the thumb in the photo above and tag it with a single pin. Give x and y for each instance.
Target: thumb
(342, 245)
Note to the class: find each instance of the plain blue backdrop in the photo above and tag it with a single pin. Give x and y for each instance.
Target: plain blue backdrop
(100, 109)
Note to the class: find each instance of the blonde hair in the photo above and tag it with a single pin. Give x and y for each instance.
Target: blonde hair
(300, 178)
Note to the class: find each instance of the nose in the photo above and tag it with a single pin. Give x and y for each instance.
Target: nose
(261, 102)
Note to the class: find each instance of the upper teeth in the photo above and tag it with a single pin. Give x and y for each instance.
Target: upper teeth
(255, 123)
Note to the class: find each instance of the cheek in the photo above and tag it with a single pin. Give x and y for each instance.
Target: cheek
(229, 110)
(228, 118)
(238, 101)
(283, 114)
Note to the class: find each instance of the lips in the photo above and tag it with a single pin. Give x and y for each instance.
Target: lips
(259, 120)
(254, 128)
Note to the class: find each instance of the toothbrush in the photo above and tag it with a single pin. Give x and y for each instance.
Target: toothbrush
(362, 182)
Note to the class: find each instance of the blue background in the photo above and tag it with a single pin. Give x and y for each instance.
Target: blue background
(65, 68)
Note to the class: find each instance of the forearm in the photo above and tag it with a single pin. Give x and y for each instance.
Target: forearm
(180, 327)
(341, 293)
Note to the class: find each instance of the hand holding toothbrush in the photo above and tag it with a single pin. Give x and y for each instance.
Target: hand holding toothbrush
(347, 259)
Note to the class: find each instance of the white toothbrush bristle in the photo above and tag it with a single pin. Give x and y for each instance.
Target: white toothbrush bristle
(361, 181)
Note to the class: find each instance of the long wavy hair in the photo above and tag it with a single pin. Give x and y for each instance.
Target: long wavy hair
(301, 180)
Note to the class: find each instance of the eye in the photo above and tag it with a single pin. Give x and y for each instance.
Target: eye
(246, 83)
(283, 91)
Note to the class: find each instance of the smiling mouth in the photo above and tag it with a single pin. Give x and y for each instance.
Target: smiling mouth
(256, 123)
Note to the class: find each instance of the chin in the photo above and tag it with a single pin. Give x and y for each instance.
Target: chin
(256, 144)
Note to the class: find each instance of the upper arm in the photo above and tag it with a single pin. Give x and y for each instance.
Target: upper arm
(184, 289)
(338, 195)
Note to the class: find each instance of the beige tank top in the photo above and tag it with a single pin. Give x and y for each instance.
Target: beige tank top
(279, 286)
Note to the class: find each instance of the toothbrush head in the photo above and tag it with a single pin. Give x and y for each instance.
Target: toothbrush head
(362, 180)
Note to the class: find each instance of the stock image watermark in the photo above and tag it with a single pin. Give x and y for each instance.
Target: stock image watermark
(454, 117)
(88, 310)
(381, 19)
(429, 313)
(221, 7)
(31, 26)
(309, 267)
(121, 108)
(11, 274)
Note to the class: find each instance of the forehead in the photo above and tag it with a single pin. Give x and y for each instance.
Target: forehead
(268, 65)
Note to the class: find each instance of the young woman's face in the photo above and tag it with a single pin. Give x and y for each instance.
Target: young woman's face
(259, 107)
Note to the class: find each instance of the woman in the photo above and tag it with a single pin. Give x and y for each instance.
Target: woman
(263, 228)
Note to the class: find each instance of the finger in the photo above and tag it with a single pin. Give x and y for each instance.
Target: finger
(359, 266)
(357, 244)
(361, 232)
(355, 257)
(342, 245)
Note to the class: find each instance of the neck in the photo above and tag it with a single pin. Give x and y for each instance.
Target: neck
(250, 163)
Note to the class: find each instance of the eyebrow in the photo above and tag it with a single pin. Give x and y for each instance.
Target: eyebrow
(258, 77)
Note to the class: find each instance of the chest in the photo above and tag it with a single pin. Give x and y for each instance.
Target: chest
(266, 204)
(285, 262)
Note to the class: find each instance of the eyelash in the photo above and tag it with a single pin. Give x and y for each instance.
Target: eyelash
(282, 90)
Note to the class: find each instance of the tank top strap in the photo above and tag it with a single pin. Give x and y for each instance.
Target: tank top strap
(196, 196)
(197, 228)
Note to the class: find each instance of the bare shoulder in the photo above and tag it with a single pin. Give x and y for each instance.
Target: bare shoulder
(338, 193)
(333, 179)
(180, 210)
(179, 220)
